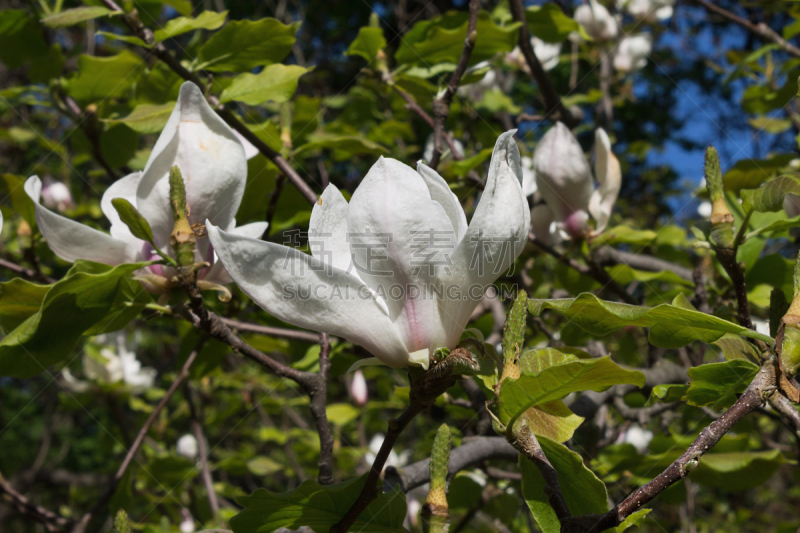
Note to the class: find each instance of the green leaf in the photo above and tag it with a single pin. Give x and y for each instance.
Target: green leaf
(207, 20)
(770, 196)
(514, 328)
(549, 23)
(735, 347)
(750, 173)
(341, 414)
(132, 218)
(671, 325)
(624, 275)
(19, 299)
(92, 298)
(716, 384)
(441, 39)
(553, 420)
(583, 492)
(462, 168)
(351, 144)
(368, 43)
(625, 235)
(670, 392)
(20, 202)
(130, 39)
(776, 225)
(146, 118)
(496, 101)
(319, 508)
(21, 38)
(770, 124)
(245, 44)
(550, 374)
(633, 520)
(68, 17)
(104, 77)
(276, 83)
(737, 471)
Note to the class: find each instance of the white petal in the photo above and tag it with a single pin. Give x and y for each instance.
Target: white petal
(547, 53)
(327, 230)
(210, 157)
(401, 240)
(250, 151)
(497, 234)
(563, 174)
(305, 292)
(609, 176)
(71, 240)
(441, 192)
(217, 272)
(529, 185)
(597, 21)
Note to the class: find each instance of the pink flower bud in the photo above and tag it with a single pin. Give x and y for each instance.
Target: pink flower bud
(358, 389)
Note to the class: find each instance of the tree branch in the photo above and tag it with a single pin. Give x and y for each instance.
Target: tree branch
(441, 105)
(525, 441)
(760, 29)
(202, 452)
(258, 329)
(160, 51)
(318, 402)
(606, 255)
(552, 101)
(753, 397)
(25, 272)
(81, 526)
(50, 520)
(472, 452)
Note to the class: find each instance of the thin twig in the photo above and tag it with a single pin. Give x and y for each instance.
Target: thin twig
(606, 255)
(318, 402)
(126, 462)
(760, 29)
(441, 105)
(284, 333)
(50, 520)
(202, 452)
(552, 101)
(414, 107)
(25, 272)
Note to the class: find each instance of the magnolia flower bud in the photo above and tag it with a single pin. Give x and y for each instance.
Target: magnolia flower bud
(358, 389)
(56, 195)
(632, 52)
(597, 21)
(187, 446)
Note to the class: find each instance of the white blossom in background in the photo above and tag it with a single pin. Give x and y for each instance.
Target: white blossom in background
(547, 53)
(378, 241)
(632, 52)
(394, 460)
(187, 446)
(596, 20)
(427, 153)
(118, 365)
(212, 161)
(358, 389)
(413, 507)
(56, 195)
(638, 437)
(529, 185)
(704, 209)
(566, 184)
(187, 522)
(648, 10)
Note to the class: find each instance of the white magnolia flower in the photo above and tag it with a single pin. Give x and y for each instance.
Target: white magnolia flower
(632, 52)
(649, 10)
(413, 507)
(791, 204)
(394, 460)
(427, 153)
(599, 24)
(214, 168)
(358, 389)
(111, 366)
(187, 446)
(547, 53)
(566, 185)
(56, 195)
(382, 265)
(638, 437)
